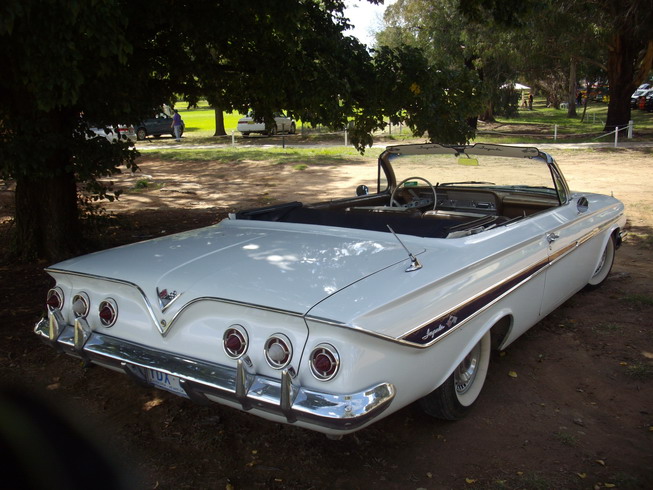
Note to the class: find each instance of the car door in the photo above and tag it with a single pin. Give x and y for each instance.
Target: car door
(151, 126)
(163, 124)
(573, 247)
(283, 122)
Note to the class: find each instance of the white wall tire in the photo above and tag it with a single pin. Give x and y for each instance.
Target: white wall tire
(604, 266)
(457, 394)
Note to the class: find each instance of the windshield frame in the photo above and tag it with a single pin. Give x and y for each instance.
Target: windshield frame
(558, 182)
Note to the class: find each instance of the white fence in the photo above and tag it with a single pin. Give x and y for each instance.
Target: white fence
(398, 129)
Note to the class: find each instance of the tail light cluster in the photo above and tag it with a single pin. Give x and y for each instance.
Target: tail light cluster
(278, 351)
(324, 360)
(235, 341)
(81, 306)
(54, 300)
(108, 312)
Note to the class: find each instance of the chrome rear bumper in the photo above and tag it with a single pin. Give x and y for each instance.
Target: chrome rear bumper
(204, 382)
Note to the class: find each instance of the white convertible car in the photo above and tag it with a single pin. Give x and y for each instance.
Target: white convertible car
(334, 315)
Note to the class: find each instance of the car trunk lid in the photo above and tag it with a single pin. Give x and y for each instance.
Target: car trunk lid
(278, 265)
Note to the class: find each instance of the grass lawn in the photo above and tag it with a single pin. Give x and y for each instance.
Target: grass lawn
(542, 123)
(200, 121)
(595, 117)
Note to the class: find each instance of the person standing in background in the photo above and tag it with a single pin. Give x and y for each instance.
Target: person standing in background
(177, 124)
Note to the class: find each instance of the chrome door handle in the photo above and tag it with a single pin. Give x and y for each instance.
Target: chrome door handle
(552, 237)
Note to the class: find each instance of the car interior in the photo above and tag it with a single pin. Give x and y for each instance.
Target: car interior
(457, 212)
(415, 206)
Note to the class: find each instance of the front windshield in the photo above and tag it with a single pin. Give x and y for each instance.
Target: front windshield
(526, 174)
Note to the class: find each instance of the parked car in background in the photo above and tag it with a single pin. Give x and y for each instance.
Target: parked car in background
(111, 133)
(637, 100)
(648, 104)
(155, 126)
(282, 124)
(335, 314)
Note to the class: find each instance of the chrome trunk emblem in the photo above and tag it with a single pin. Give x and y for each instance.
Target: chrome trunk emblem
(166, 298)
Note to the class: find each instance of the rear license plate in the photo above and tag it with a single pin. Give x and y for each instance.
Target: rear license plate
(166, 382)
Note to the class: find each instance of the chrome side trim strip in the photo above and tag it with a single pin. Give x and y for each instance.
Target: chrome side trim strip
(207, 381)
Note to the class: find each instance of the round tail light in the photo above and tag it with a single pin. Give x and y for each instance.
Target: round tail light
(54, 300)
(108, 312)
(235, 341)
(324, 361)
(278, 351)
(81, 305)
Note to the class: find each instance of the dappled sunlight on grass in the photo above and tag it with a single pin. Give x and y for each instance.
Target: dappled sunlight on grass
(230, 179)
(276, 156)
(542, 123)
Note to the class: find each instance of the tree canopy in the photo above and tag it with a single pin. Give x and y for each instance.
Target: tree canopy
(69, 64)
(613, 34)
(550, 43)
(479, 51)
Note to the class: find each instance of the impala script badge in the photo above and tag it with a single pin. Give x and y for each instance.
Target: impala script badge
(451, 321)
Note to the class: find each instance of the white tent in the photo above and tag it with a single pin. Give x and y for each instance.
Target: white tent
(516, 86)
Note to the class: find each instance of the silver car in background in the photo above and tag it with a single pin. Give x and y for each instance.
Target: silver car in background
(282, 124)
(111, 133)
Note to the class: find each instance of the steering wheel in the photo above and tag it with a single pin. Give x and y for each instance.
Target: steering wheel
(416, 201)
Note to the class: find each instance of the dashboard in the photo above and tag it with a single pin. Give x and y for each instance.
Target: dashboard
(478, 202)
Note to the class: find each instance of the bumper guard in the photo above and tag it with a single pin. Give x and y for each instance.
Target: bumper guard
(201, 380)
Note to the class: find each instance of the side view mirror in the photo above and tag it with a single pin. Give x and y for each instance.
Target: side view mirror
(582, 205)
(362, 190)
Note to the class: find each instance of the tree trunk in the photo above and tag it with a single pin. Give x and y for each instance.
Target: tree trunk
(571, 108)
(219, 122)
(488, 113)
(47, 224)
(621, 75)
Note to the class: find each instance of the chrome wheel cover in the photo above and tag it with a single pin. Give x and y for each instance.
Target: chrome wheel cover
(465, 373)
(605, 264)
(601, 262)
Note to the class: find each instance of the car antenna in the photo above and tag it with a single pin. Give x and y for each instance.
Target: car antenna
(414, 263)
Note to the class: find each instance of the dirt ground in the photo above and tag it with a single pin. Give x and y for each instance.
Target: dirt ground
(569, 405)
